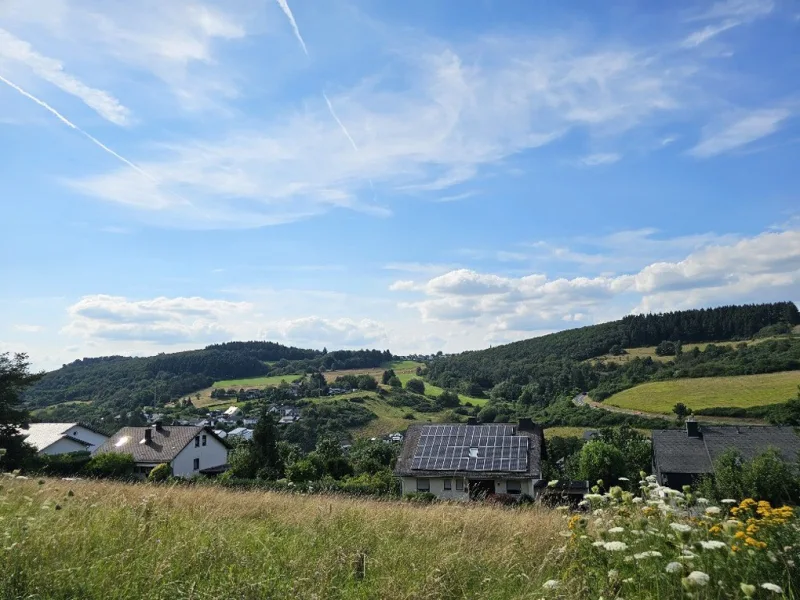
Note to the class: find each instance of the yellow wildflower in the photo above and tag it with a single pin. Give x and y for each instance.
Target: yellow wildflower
(739, 535)
(715, 529)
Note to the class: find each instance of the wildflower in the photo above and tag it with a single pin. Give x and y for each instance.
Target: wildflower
(713, 510)
(616, 530)
(613, 574)
(715, 529)
(648, 554)
(747, 589)
(696, 579)
(637, 500)
(628, 580)
(702, 501)
(583, 503)
(673, 567)
(615, 546)
(772, 588)
(728, 501)
(552, 483)
(551, 584)
(598, 544)
(680, 527)
(622, 479)
(713, 545)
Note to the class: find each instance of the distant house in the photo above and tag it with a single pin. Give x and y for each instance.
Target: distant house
(221, 433)
(232, 412)
(62, 438)
(460, 461)
(241, 433)
(680, 456)
(252, 422)
(190, 451)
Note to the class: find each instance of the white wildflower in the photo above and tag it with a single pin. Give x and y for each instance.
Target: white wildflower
(698, 578)
(713, 545)
(628, 580)
(615, 546)
(651, 478)
(598, 544)
(583, 503)
(713, 510)
(680, 527)
(673, 567)
(551, 584)
(592, 497)
(613, 574)
(688, 554)
(703, 501)
(552, 483)
(622, 479)
(728, 501)
(772, 588)
(648, 554)
(637, 532)
(637, 500)
(616, 530)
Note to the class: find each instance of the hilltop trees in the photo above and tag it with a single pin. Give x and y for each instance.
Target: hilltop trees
(15, 376)
(416, 385)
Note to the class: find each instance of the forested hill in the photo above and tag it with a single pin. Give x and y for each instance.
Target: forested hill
(124, 383)
(551, 364)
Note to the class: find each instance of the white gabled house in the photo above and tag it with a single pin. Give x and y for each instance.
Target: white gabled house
(62, 438)
(190, 451)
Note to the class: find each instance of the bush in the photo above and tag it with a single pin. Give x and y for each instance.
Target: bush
(409, 417)
(416, 385)
(421, 497)
(600, 460)
(63, 465)
(303, 470)
(111, 464)
(395, 382)
(160, 472)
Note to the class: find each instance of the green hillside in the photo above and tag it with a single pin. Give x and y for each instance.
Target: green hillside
(743, 391)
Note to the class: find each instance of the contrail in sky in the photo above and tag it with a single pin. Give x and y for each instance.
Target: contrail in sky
(344, 129)
(72, 125)
(288, 12)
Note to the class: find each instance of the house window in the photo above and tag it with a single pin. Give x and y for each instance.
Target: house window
(448, 484)
(196, 464)
(423, 485)
(513, 486)
(459, 485)
(204, 440)
(197, 441)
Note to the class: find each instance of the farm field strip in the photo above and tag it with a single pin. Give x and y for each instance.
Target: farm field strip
(741, 391)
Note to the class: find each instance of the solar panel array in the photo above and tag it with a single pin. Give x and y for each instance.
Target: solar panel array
(470, 448)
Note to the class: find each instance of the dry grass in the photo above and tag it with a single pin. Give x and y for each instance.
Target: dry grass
(112, 540)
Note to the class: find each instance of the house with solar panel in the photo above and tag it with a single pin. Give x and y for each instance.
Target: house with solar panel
(462, 461)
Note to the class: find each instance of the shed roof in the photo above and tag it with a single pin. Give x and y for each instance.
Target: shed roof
(674, 451)
(166, 442)
(43, 435)
(498, 431)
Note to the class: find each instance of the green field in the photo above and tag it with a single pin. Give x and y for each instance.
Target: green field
(650, 351)
(707, 392)
(434, 390)
(552, 432)
(253, 382)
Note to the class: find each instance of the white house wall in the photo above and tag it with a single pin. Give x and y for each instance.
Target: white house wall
(63, 446)
(409, 484)
(87, 435)
(213, 454)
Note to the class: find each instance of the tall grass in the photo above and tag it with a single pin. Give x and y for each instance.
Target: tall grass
(83, 539)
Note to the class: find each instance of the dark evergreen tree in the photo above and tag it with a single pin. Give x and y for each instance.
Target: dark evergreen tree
(15, 376)
(265, 447)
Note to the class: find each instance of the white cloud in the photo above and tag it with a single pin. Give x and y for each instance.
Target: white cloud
(727, 15)
(28, 328)
(52, 71)
(317, 332)
(160, 320)
(594, 160)
(403, 285)
(443, 128)
(740, 131)
(764, 267)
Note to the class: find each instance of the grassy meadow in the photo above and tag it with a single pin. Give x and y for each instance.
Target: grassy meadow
(104, 540)
(741, 391)
(650, 351)
(435, 390)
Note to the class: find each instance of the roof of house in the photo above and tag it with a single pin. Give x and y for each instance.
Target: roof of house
(166, 442)
(480, 451)
(42, 435)
(674, 451)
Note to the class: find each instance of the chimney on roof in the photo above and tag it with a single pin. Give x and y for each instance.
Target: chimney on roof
(693, 428)
(472, 421)
(157, 426)
(148, 435)
(526, 424)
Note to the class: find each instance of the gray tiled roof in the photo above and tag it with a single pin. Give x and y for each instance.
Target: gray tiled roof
(675, 452)
(412, 438)
(165, 445)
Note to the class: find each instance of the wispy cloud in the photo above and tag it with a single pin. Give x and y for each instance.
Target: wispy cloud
(456, 197)
(727, 14)
(51, 70)
(595, 160)
(740, 131)
(28, 328)
(288, 12)
(341, 125)
(70, 124)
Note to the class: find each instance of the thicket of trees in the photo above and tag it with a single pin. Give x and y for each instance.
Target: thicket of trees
(15, 376)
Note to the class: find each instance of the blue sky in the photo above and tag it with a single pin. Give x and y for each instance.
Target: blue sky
(418, 176)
